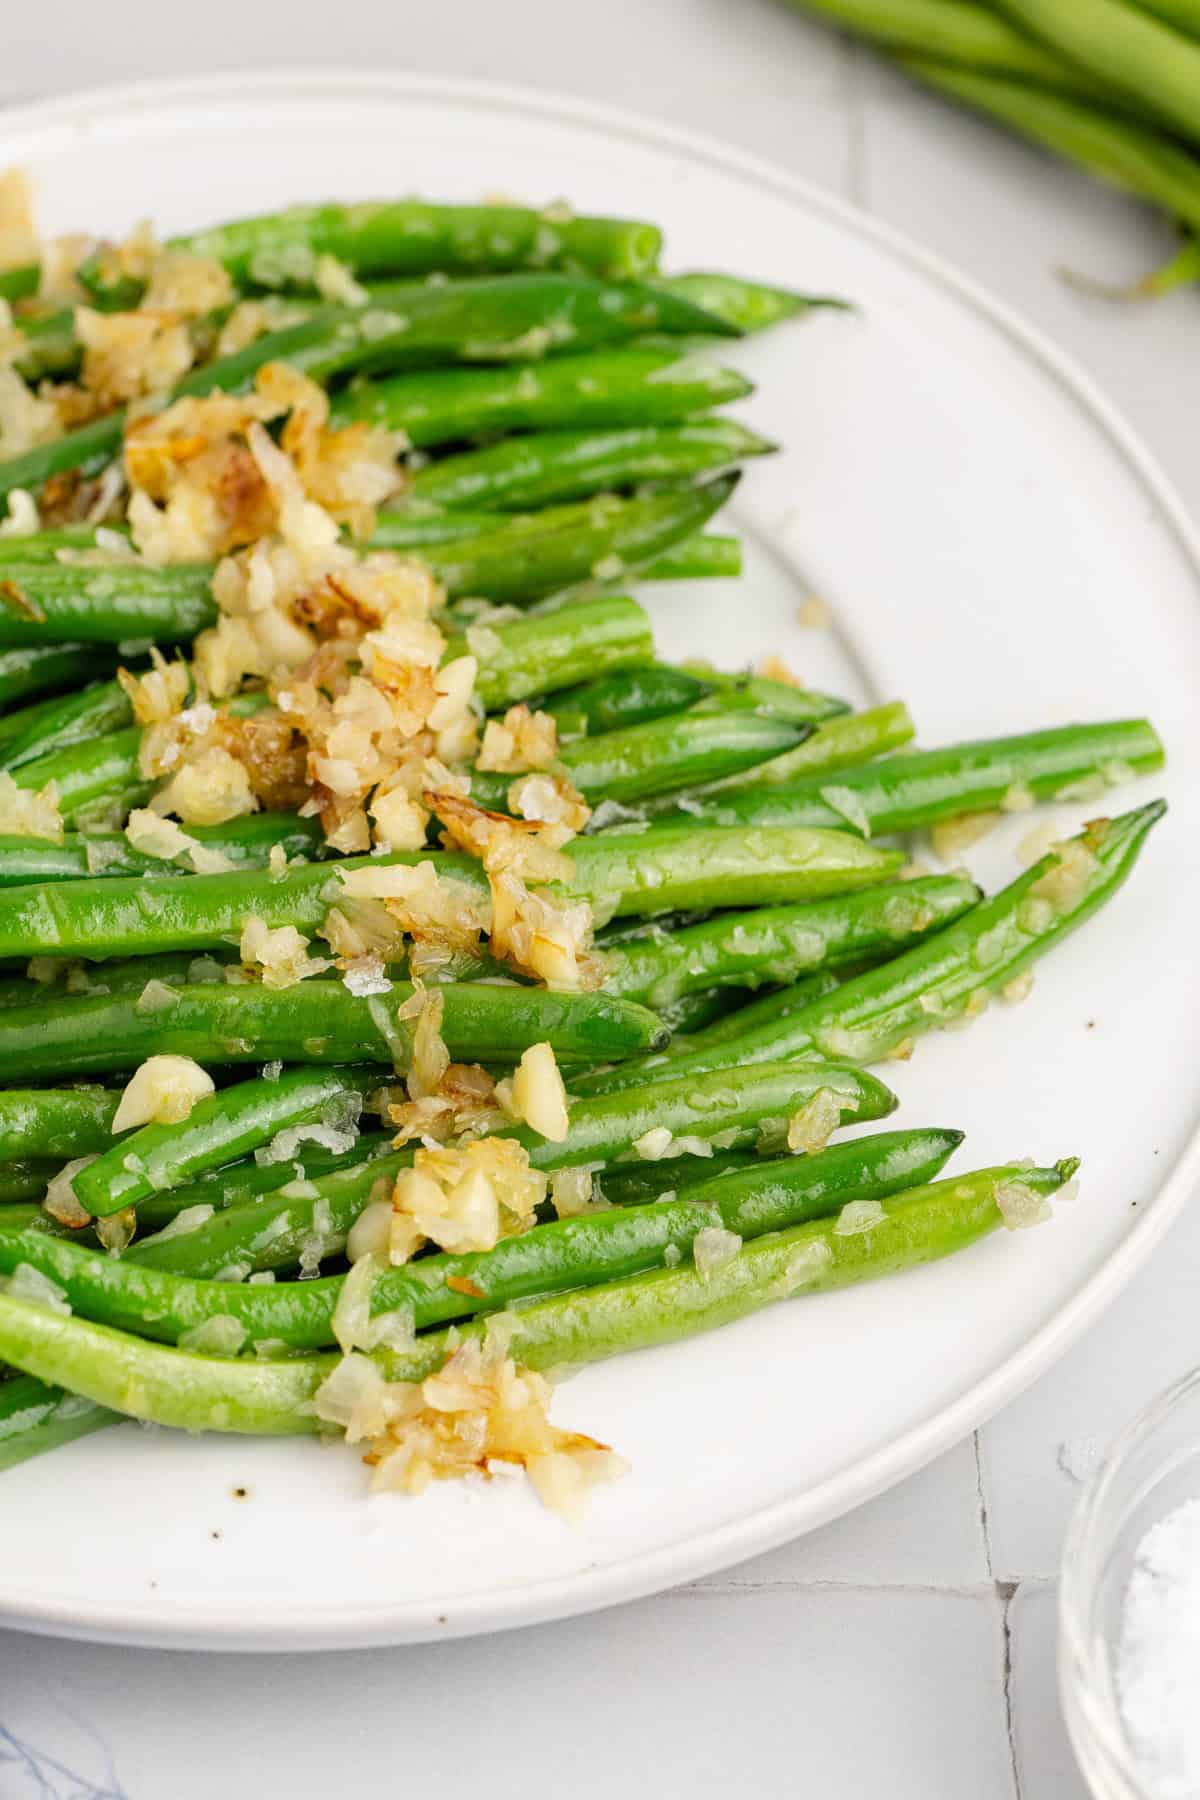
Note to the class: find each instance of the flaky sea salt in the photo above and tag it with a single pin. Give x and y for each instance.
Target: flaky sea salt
(1158, 1656)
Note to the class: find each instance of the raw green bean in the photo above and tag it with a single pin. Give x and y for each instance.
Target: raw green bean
(566, 1253)
(549, 467)
(180, 1388)
(246, 842)
(771, 945)
(958, 32)
(746, 305)
(55, 1122)
(946, 978)
(273, 1232)
(1135, 158)
(924, 787)
(663, 754)
(1154, 67)
(227, 1125)
(315, 1021)
(638, 385)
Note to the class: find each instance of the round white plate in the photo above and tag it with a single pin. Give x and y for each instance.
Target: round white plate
(996, 548)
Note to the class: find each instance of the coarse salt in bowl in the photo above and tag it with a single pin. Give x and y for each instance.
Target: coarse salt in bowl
(1129, 1609)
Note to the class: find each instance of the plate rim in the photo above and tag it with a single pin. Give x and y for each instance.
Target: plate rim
(309, 1627)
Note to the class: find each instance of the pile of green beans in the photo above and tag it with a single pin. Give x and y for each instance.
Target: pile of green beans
(1111, 85)
(755, 945)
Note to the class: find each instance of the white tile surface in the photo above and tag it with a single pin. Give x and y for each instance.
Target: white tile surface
(926, 1532)
(885, 1693)
(1035, 1451)
(867, 1660)
(1045, 1764)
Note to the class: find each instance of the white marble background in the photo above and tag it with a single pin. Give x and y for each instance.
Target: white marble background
(906, 1652)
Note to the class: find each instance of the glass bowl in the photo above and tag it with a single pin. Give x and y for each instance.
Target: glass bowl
(1152, 1468)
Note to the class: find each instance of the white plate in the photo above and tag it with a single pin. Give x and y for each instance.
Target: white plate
(996, 548)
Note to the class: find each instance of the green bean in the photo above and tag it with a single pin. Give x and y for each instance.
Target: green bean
(746, 305)
(1156, 68)
(566, 1253)
(19, 283)
(26, 1180)
(637, 385)
(547, 467)
(603, 539)
(636, 1183)
(486, 319)
(708, 556)
(15, 724)
(771, 945)
(837, 743)
(957, 32)
(180, 1388)
(1129, 156)
(35, 668)
(907, 792)
(629, 697)
(638, 871)
(771, 699)
(409, 237)
(315, 1021)
(665, 868)
(35, 1417)
(219, 1129)
(57, 976)
(247, 843)
(273, 1232)
(947, 978)
(692, 1012)
(544, 651)
(767, 1009)
(73, 719)
(239, 1183)
(49, 602)
(663, 754)
(104, 769)
(55, 1122)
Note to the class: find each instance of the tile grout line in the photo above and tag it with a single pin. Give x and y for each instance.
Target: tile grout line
(1005, 1592)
